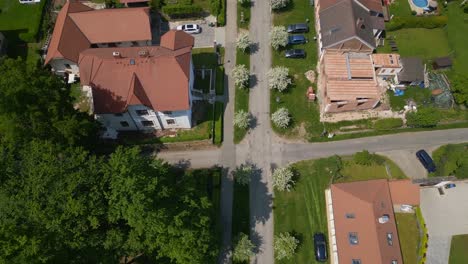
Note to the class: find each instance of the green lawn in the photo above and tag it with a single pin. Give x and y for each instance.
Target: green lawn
(302, 112)
(302, 211)
(245, 10)
(241, 97)
(457, 23)
(355, 172)
(417, 94)
(451, 159)
(458, 250)
(400, 8)
(408, 233)
(419, 42)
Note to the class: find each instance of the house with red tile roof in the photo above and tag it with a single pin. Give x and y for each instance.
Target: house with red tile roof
(361, 221)
(79, 27)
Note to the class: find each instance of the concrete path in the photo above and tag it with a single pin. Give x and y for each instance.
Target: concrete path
(259, 139)
(407, 161)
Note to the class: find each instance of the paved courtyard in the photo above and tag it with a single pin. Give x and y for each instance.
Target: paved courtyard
(207, 36)
(445, 215)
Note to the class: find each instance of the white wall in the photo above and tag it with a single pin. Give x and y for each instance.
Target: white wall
(58, 65)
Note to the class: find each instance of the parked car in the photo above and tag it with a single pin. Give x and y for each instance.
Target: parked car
(297, 39)
(450, 185)
(295, 53)
(190, 28)
(320, 246)
(298, 28)
(426, 160)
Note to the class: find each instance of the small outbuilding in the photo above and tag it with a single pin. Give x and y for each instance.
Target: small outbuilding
(442, 63)
(412, 72)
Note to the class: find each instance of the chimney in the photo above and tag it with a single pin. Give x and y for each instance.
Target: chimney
(116, 54)
(360, 23)
(143, 53)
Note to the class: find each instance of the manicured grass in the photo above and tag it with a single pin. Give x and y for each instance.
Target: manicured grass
(355, 172)
(400, 8)
(302, 112)
(419, 42)
(204, 57)
(408, 233)
(245, 10)
(458, 249)
(457, 23)
(25, 18)
(241, 97)
(451, 159)
(218, 123)
(420, 95)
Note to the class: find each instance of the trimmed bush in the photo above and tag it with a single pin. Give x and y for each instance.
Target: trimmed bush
(428, 22)
(182, 11)
(424, 117)
(388, 123)
(215, 7)
(221, 18)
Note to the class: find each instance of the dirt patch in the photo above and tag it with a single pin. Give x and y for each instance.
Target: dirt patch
(310, 75)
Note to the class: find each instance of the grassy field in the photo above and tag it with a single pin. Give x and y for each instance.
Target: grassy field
(302, 211)
(408, 234)
(417, 94)
(451, 159)
(355, 172)
(400, 8)
(419, 42)
(303, 113)
(458, 249)
(241, 97)
(457, 23)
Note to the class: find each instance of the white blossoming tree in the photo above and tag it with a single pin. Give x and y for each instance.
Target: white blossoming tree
(243, 248)
(278, 37)
(285, 245)
(282, 179)
(244, 2)
(242, 119)
(278, 78)
(243, 173)
(278, 4)
(281, 118)
(243, 42)
(241, 75)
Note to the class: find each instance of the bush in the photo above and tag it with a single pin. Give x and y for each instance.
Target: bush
(424, 117)
(282, 179)
(221, 19)
(241, 75)
(278, 4)
(243, 42)
(215, 7)
(242, 119)
(428, 22)
(28, 37)
(452, 160)
(243, 173)
(182, 11)
(465, 9)
(278, 78)
(155, 5)
(243, 248)
(388, 123)
(285, 245)
(281, 118)
(278, 37)
(244, 2)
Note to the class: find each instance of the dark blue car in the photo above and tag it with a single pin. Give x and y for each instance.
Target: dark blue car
(297, 39)
(320, 247)
(426, 160)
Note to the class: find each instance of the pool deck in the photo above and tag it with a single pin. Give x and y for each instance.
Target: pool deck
(419, 10)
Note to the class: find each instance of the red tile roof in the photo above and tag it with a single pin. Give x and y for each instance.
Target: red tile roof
(78, 26)
(367, 201)
(404, 192)
(159, 80)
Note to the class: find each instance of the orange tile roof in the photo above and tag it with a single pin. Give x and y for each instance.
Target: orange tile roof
(78, 26)
(159, 80)
(367, 201)
(391, 60)
(404, 192)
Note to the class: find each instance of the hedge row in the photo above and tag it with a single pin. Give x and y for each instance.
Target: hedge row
(422, 249)
(428, 22)
(182, 11)
(388, 123)
(222, 14)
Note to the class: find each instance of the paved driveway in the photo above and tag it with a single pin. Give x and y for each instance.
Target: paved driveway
(408, 162)
(445, 215)
(205, 39)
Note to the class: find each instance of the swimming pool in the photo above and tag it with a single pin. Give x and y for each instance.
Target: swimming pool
(420, 3)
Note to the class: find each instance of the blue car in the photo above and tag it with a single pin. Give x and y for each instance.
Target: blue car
(296, 39)
(426, 160)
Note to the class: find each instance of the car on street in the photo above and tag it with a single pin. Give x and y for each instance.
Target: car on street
(295, 54)
(296, 39)
(450, 185)
(426, 160)
(190, 28)
(320, 246)
(298, 28)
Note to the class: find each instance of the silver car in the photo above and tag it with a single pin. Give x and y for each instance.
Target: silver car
(190, 28)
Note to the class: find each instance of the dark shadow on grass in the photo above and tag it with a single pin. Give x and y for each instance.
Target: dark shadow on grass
(253, 81)
(257, 240)
(16, 47)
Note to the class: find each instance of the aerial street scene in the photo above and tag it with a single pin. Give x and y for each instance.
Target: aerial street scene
(234, 131)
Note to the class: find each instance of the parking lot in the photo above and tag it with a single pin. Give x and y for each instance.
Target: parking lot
(445, 215)
(207, 36)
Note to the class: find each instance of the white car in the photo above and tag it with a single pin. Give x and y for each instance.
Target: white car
(190, 28)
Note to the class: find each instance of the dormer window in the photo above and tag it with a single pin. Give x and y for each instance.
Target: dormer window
(353, 238)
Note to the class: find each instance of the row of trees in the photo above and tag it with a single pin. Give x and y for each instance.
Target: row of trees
(60, 201)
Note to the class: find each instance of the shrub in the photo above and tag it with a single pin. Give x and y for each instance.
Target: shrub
(243, 42)
(241, 76)
(155, 5)
(282, 179)
(278, 37)
(428, 22)
(182, 11)
(278, 78)
(424, 117)
(388, 123)
(281, 118)
(278, 4)
(215, 7)
(243, 248)
(243, 173)
(465, 9)
(242, 119)
(285, 245)
(221, 18)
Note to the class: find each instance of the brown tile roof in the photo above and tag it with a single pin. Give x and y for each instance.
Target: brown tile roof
(78, 26)
(367, 201)
(391, 60)
(176, 39)
(404, 192)
(349, 76)
(159, 80)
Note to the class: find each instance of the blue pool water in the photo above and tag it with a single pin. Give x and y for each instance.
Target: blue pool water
(420, 3)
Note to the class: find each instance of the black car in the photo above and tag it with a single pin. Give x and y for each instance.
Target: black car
(426, 160)
(295, 53)
(320, 246)
(296, 39)
(298, 28)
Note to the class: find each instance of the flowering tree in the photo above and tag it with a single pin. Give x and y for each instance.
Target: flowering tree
(278, 78)
(241, 75)
(281, 118)
(242, 119)
(243, 173)
(278, 37)
(282, 179)
(243, 248)
(243, 42)
(285, 245)
(278, 4)
(244, 2)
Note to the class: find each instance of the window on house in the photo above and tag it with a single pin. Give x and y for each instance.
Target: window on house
(124, 124)
(147, 123)
(167, 112)
(134, 43)
(360, 103)
(170, 121)
(67, 66)
(142, 112)
(118, 114)
(353, 238)
(390, 239)
(350, 215)
(394, 261)
(356, 261)
(392, 71)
